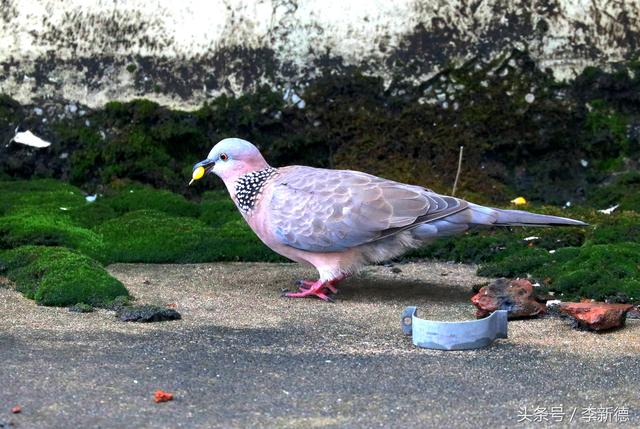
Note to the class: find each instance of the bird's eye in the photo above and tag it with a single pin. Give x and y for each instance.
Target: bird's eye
(223, 156)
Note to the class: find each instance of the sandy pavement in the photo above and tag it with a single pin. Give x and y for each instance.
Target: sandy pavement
(242, 356)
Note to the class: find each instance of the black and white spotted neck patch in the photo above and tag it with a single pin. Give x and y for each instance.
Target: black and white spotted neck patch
(249, 186)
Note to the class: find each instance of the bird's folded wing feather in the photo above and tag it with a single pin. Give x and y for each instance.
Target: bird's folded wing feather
(332, 210)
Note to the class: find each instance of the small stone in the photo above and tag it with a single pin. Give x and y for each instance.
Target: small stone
(396, 270)
(515, 296)
(595, 316)
(634, 313)
(146, 314)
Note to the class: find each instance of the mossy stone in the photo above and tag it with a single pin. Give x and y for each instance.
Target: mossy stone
(57, 276)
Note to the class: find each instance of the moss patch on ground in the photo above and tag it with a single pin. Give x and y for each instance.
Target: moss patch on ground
(129, 223)
(161, 238)
(48, 230)
(59, 276)
(598, 271)
(39, 195)
(136, 197)
(157, 226)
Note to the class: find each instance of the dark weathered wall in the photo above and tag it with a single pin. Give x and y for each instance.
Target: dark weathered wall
(181, 53)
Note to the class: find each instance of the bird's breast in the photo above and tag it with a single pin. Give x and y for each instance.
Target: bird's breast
(248, 187)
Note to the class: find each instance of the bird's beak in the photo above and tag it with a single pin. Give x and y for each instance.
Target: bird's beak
(201, 168)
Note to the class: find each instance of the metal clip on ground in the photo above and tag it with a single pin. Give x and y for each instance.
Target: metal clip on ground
(471, 334)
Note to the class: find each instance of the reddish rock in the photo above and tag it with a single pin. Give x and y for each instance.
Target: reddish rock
(515, 296)
(16, 410)
(162, 396)
(596, 316)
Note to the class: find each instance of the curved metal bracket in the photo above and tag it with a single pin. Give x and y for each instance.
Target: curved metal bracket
(471, 334)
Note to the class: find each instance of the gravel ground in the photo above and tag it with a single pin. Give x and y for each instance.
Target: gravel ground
(242, 356)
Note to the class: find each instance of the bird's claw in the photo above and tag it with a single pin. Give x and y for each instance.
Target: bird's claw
(304, 284)
(307, 288)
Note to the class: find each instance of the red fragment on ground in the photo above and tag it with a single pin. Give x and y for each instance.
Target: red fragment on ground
(596, 316)
(162, 396)
(515, 296)
(17, 409)
(171, 305)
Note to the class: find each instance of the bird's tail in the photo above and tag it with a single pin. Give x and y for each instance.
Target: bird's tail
(475, 215)
(500, 217)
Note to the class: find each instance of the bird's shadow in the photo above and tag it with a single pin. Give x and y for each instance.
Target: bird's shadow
(368, 289)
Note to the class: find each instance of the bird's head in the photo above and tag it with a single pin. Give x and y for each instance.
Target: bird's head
(230, 159)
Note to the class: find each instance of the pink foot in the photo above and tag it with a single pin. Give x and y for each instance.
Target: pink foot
(305, 284)
(318, 288)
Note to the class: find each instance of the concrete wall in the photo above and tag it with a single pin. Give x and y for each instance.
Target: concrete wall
(183, 52)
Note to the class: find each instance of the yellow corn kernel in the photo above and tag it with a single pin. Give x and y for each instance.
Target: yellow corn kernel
(519, 201)
(198, 173)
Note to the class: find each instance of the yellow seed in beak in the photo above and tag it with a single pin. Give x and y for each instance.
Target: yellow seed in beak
(197, 174)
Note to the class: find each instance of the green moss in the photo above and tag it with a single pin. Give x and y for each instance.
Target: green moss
(60, 277)
(607, 127)
(217, 208)
(38, 195)
(472, 247)
(136, 197)
(160, 238)
(599, 272)
(617, 228)
(594, 271)
(93, 214)
(623, 190)
(517, 264)
(485, 245)
(48, 229)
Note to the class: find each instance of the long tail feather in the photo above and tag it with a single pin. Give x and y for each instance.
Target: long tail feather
(519, 218)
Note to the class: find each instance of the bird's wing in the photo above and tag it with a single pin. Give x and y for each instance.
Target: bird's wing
(332, 210)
